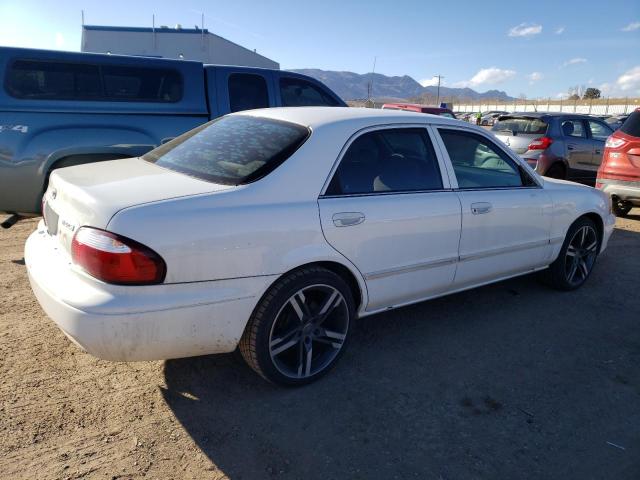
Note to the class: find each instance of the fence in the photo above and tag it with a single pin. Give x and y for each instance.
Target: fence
(595, 107)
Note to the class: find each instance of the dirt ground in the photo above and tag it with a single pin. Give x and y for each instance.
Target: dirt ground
(509, 381)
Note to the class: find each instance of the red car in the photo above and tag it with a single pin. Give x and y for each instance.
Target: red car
(619, 173)
(416, 107)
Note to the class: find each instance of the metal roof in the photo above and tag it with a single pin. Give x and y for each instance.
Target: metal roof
(144, 29)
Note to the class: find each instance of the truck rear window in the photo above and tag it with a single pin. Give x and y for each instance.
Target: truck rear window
(44, 80)
(631, 125)
(516, 125)
(231, 150)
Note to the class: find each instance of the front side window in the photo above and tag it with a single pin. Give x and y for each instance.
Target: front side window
(391, 160)
(479, 163)
(295, 92)
(231, 150)
(599, 130)
(247, 91)
(573, 128)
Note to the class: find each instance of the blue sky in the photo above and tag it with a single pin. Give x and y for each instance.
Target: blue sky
(540, 48)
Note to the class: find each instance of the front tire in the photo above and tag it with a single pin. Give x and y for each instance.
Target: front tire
(300, 327)
(620, 207)
(577, 256)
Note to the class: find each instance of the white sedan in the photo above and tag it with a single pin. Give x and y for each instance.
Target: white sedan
(273, 230)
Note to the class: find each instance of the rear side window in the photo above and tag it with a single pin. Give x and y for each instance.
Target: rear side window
(231, 150)
(573, 128)
(631, 125)
(516, 125)
(36, 79)
(247, 91)
(393, 160)
(295, 92)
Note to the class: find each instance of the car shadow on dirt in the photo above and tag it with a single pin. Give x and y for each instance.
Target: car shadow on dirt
(481, 384)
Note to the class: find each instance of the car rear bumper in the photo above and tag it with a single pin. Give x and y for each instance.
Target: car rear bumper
(140, 322)
(623, 189)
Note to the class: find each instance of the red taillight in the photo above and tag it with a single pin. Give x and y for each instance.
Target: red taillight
(115, 259)
(541, 143)
(614, 142)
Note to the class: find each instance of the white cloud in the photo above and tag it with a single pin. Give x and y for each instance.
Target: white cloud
(561, 95)
(525, 30)
(59, 40)
(629, 82)
(490, 75)
(631, 27)
(574, 61)
(431, 82)
(535, 77)
(559, 30)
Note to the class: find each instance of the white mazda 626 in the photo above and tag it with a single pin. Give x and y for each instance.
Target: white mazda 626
(272, 230)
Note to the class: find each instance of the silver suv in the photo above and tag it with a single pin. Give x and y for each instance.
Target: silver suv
(557, 145)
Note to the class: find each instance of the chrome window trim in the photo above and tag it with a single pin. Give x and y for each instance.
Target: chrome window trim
(410, 268)
(459, 258)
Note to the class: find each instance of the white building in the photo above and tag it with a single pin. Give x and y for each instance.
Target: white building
(178, 43)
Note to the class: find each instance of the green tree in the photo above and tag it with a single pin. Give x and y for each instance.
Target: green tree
(592, 93)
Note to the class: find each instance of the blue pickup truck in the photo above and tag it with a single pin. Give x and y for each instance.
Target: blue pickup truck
(59, 109)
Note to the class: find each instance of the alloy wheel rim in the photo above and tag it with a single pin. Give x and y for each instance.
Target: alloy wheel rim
(309, 331)
(581, 255)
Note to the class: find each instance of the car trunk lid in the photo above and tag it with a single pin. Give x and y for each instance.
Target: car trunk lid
(91, 194)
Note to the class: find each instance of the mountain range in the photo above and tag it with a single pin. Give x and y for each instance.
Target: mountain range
(354, 86)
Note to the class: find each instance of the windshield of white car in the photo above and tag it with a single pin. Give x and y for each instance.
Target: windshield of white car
(231, 150)
(520, 125)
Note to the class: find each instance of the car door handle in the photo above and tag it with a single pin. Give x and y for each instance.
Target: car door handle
(571, 147)
(481, 207)
(347, 219)
(598, 151)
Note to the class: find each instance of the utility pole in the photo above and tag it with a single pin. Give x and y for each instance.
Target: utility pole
(440, 77)
(370, 89)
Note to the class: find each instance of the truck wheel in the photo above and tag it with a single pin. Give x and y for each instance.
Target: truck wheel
(300, 328)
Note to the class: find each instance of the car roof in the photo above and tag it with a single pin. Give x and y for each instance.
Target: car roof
(313, 117)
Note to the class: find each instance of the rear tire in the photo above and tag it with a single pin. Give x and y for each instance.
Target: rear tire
(557, 170)
(577, 256)
(300, 327)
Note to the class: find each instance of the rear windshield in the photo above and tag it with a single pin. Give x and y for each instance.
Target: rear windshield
(631, 125)
(231, 150)
(524, 125)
